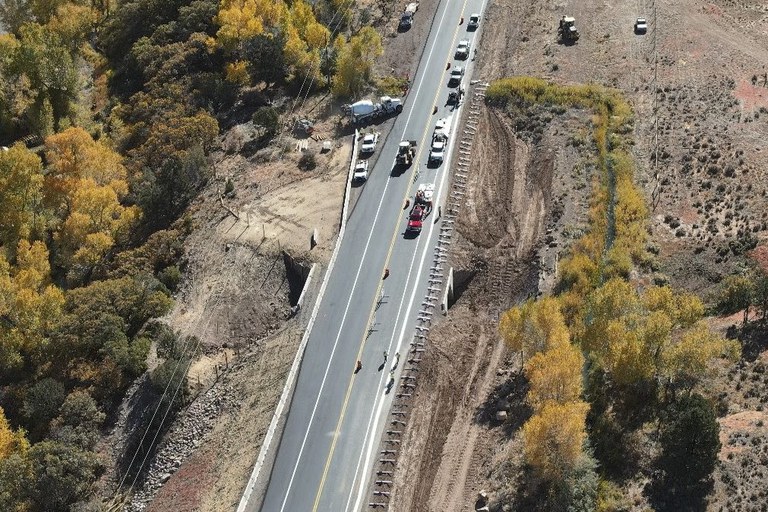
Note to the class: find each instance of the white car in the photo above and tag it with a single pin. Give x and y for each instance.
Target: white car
(474, 22)
(437, 152)
(457, 73)
(369, 143)
(462, 50)
(641, 26)
(361, 171)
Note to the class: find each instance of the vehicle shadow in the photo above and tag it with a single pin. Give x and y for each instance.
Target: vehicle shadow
(397, 171)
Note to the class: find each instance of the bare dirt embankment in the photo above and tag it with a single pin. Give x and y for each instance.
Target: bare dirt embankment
(529, 199)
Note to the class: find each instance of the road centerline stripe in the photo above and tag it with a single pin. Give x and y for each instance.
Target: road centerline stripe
(386, 262)
(354, 286)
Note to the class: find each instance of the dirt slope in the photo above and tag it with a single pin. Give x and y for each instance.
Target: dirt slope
(528, 200)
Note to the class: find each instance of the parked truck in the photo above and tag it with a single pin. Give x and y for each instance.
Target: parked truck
(368, 110)
(422, 207)
(406, 19)
(406, 150)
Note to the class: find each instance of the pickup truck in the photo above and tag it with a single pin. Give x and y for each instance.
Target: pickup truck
(406, 19)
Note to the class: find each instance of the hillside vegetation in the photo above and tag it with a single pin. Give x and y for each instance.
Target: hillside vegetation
(109, 111)
(612, 360)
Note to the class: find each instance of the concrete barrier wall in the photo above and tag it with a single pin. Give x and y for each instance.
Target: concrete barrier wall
(259, 479)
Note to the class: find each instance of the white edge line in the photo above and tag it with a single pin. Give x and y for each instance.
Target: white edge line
(343, 319)
(297, 360)
(368, 462)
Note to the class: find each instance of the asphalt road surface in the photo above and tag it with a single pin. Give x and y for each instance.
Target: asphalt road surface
(332, 433)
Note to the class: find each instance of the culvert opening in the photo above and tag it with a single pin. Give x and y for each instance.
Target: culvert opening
(461, 281)
(296, 271)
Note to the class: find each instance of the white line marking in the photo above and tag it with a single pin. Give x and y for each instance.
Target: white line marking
(379, 408)
(290, 382)
(346, 309)
(381, 398)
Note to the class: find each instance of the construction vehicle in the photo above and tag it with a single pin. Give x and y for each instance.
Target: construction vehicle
(304, 127)
(422, 207)
(567, 32)
(406, 19)
(367, 110)
(406, 151)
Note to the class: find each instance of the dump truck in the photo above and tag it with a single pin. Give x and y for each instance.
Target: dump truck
(406, 19)
(406, 150)
(567, 30)
(368, 110)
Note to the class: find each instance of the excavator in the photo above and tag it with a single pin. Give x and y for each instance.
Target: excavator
(567, 32)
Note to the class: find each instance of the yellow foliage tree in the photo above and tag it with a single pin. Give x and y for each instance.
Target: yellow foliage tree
(21, 181)
(553, 438)
(29, 305)
(554, 375)
(94, 210)
(237, 72)
(73, 23)
(534, 326)
(609, 302)
(354, 63)
(74, 156)
(11, 441)
(689, 359)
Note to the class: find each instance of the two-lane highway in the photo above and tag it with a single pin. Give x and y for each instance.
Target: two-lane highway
(336, 416)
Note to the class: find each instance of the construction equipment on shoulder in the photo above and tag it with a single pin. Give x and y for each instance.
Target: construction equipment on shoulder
(567, 32)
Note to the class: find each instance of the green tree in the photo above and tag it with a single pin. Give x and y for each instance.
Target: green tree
(760, 294)
(16, 481)
(265, 58)
(14, 14)
(690, 443)
(78, 421)
(64, 474)
(268, 119)
(736, 295)
(41, 405)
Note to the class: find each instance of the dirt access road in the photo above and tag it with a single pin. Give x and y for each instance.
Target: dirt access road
(528, 199)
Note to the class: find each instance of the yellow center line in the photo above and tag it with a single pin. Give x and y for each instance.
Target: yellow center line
(378, 290)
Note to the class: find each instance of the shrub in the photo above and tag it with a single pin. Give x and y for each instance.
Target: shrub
(170, 277)
(307, 162)
(268, 119)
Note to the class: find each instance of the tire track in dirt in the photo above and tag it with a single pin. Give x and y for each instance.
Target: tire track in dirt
(508, 196)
